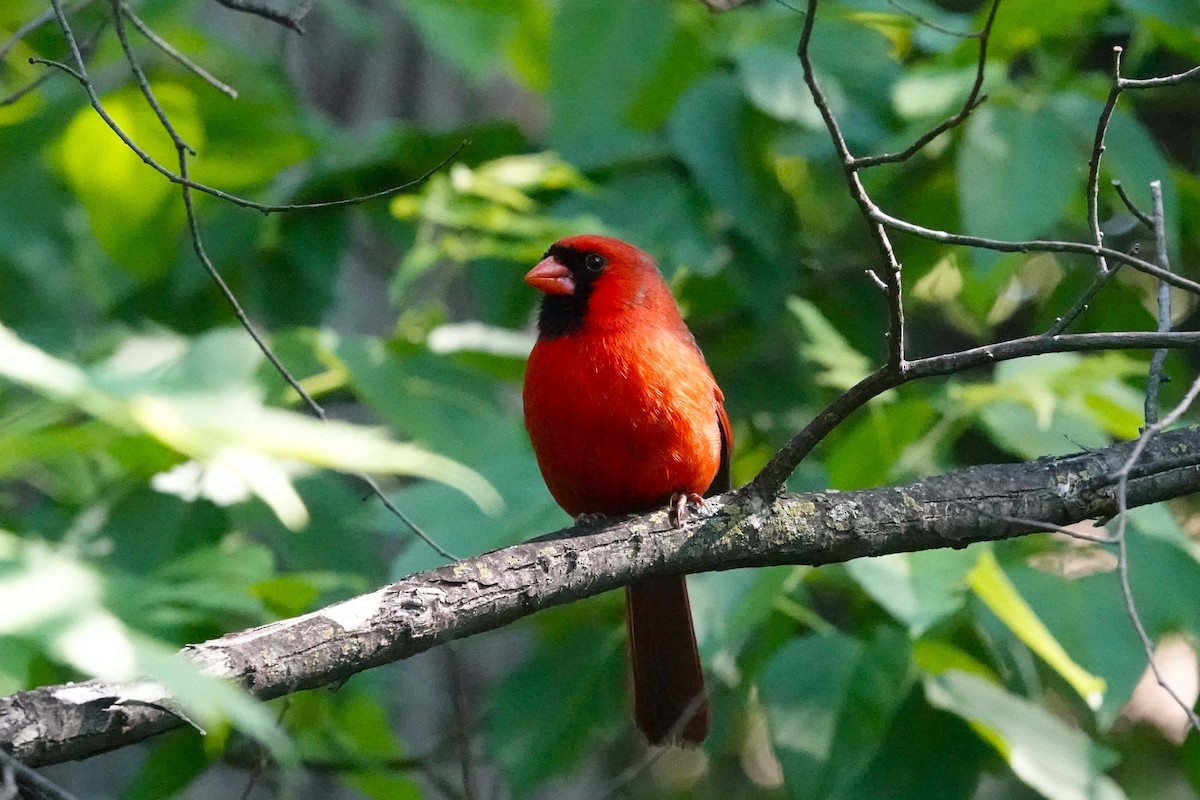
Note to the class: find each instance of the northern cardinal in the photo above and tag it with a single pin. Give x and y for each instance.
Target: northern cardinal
(625, 416)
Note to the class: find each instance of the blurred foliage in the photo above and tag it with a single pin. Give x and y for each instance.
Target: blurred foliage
(159, 485)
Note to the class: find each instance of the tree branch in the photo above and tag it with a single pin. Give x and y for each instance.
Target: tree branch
(58, 723)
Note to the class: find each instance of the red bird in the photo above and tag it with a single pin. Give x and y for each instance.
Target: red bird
(625, 416)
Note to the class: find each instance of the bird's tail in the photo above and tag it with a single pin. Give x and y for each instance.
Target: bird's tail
(669, 702)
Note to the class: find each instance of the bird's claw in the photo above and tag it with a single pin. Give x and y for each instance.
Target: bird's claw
(679, 502)
(590, 519)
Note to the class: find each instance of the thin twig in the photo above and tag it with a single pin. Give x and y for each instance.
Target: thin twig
(35, 785)
(458, 699)
(291, 21)
(187, 185)
(88, 46)
(81, 75)
(1142, 216)
(143, 83)
(1049, 526)
(1032, 246)
(973, 100)
(850, 168)
(1119, 84)
(1166, 80)
(908, 12)
(1093, 179)
(771, 478)
(173, 52)
(1123, 545)
(1085, 298)
(654, 752)
(313, 405)
(1156, 377)
(33, 24)
(31, 86)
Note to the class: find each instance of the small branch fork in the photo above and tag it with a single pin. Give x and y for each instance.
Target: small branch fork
(119, 12)
(899, 370)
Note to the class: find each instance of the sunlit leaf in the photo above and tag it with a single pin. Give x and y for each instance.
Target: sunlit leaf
(843, 365)
(993, 587)
(1059, 761)
(134, 211)
(227, 427)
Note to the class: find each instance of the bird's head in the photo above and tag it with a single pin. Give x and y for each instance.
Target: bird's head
(591, 277)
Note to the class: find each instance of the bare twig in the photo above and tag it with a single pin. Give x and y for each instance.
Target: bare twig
(33, 24)
(850, 167)
(20, 92)
(1032, 246)
(291, 21)
(1142, 216)
(1155, 83)
(86, 49)
(182, 147)
(1119, 84)
(908, 12)
(654, 753)
(973, 100)
(79, 72)
(1049, 526)
(35, 785)
(462, 723)
(316, 408)
(1156, 377)
(772, 477)
(1093, 179)
(1123, 478)
(187, 185)
(173, 52)
(1085, 298)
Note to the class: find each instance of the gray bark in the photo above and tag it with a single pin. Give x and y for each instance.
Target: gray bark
(58, 723)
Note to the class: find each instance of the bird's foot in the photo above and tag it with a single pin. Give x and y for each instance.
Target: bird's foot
(679, 503)
(590, 519)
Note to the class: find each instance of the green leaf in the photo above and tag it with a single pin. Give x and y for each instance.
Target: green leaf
(774, 81)
(917, 589)
(175, 761)
(240, 445)
(893, 431)
(843, 366)
(135, 212)
(588, 106)
(709, 132)
(928, 754)
(1044, 752)
(1017, 172)
(1056, 403)
(1088, 616)
(546, 713)
(1180, 13)
(1025, 24)
(993, 587)
(729, 609)
(830, 701)
(52, 598)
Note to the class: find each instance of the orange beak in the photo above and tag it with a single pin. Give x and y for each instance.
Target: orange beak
(551, 277)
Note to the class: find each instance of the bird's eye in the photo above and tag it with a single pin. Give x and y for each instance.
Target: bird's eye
(594, 262)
